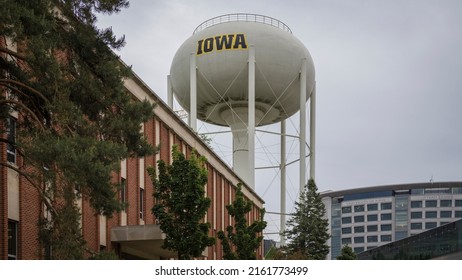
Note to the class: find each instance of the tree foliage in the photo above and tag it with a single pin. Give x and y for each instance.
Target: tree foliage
(307, 228)
(242, 240)
(347, 254)
(181, 204)
(75, 121)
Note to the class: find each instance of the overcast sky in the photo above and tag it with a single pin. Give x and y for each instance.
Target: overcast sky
(388, 74)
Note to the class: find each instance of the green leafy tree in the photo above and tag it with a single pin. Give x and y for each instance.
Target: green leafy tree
(347, 254)
(181, 204)
(73, 119)
(308, 229)
(242, 240)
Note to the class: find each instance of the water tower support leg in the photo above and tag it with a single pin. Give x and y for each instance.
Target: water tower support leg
(251, 124)
(169, 92)
(193, 93)
(283, 182)
(303, 125)
(312, 132)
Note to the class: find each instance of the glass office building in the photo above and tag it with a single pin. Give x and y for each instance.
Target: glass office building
(366, 218)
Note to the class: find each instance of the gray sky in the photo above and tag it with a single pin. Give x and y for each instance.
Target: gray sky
(388, 74)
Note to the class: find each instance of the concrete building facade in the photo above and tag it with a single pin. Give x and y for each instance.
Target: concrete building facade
(365, 218)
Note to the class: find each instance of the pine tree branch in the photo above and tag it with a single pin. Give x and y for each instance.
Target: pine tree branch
(25, 108)
(5, 82)
(12, 53)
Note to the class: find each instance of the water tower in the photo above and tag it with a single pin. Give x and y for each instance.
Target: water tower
(243, 71)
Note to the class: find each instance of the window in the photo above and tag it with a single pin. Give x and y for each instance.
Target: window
(346, 230)
(372, 238)
(359, 229)
(372, 228)
(12, 240)
(385, 217)
(430, 203)
(385, 206)
(416, 225)
(346, 210)
(416, 204)
(359, 219)
(372, 207)
(359, 208)
(359, 239)
(385, 227)
(416, 215)
(446, 203)
(385, 238)
(358, 249)
(430, 225)
(372, 218)
(346, 220)
(123, 190)
(141, 203)
(11, 137)
(346, 241)
(458, 202)
(457, 214)
(430, 214)
(446, 214)
(401, 202)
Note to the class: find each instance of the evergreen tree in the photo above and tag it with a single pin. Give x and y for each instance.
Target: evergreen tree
(347, 254)
(75, 121)
(246, 239)
(307, 228)
(181, 204)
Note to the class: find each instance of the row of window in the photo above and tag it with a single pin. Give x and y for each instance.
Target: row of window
(370, 218)
(369, 207)
(123, 196)
(369, 228)
(434, 214)
(369, 239)
(414, 204)
(434, 203)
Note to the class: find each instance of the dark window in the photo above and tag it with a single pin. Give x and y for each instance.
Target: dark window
(372, 228)
(416, 204)
(385, 227)
(346, 241)
(359, 239)
(346, 209)
(385, 217)
(12, 240)
(385, 238)
(359, 208)
(123, 190)
(458, 202)
(416, 225)
(431, 203)
(457, 214)
(372, 207)
(446, 214)
(430, 214)
(372, 238)
(446, 203)
(416, 215)
(358, 249)
(372, 217)
(359, 219)
(346, 220)
(385, 206)
(346, 230)
(359, 229)
(430, 225)
(141, 203)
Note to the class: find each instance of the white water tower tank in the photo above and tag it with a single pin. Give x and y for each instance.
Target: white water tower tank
(233, 57)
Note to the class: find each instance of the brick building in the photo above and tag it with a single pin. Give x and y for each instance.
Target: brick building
(133, 234)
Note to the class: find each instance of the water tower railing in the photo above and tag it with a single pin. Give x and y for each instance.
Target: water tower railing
(243, 18)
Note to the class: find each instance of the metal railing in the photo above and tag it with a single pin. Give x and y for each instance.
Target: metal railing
(241, 17)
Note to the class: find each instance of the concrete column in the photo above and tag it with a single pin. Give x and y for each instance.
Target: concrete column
(303, 180)
(193, 93)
